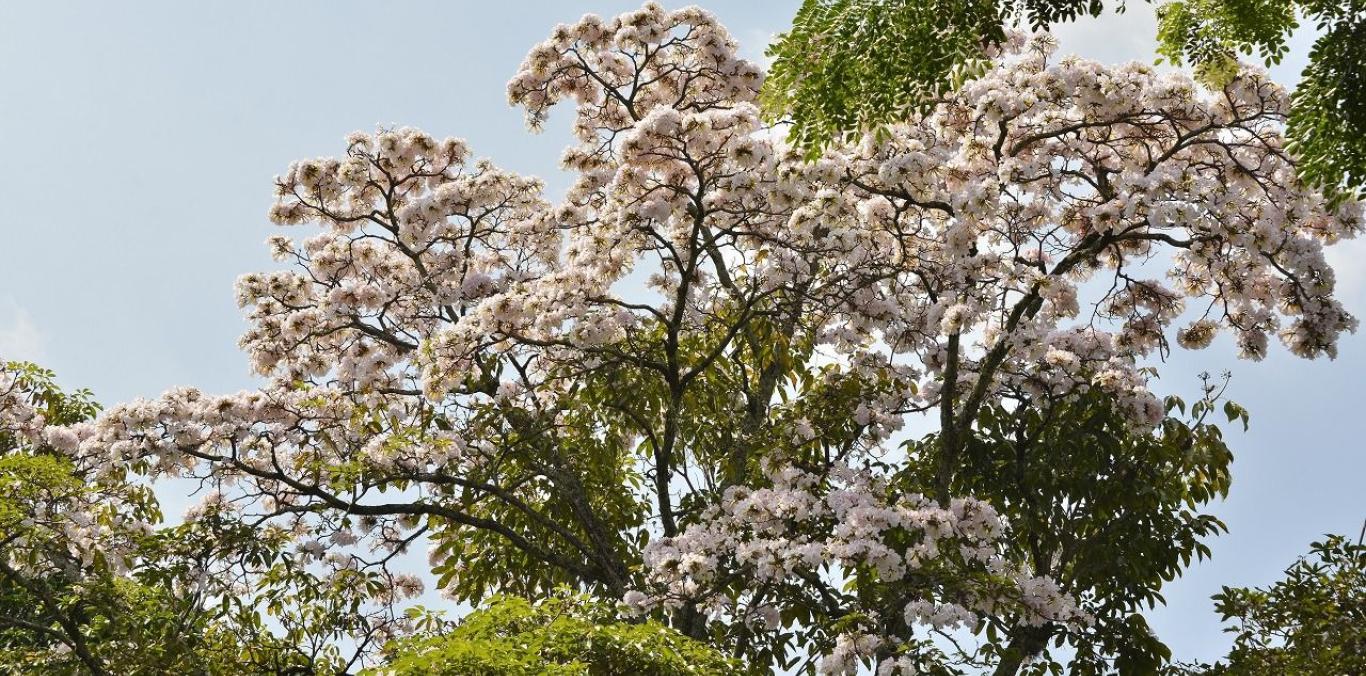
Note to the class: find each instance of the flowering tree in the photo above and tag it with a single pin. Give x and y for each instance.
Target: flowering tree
(679, 387)
(92, 582)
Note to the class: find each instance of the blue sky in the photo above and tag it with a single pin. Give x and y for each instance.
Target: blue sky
(140, 147)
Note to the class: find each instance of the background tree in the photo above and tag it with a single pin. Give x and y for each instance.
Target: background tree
(1311, 622)
(93, 584)
(61, 539)
(849, 66)
(564, 633)
(678, 387)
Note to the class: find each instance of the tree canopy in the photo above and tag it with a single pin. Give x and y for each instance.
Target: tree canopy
(565, 633)
(663, 424)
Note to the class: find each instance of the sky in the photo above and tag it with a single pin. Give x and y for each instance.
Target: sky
(140, 151)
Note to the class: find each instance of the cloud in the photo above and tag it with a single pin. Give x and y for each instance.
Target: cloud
(1112, 37)
(20, 338)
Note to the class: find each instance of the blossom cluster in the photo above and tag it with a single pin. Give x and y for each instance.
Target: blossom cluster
(67, 520)
(825, 530)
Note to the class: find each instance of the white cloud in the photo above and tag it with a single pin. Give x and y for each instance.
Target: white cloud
(20, 338)
(1112, 37)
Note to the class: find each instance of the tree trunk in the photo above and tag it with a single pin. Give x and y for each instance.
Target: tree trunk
(1026, 643)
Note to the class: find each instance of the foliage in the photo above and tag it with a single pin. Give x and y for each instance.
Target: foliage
(564, 633)
(90, 586)
(849, 66)
(1108, 514)
(1311, 622)
(49, 607)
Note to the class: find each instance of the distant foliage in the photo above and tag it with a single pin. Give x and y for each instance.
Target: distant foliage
(91, 582)
(564, 634)
(1311, 622)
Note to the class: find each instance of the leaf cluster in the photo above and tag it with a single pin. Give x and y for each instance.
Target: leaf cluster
(564, 633)
(1110, 514)
(1313, 621)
